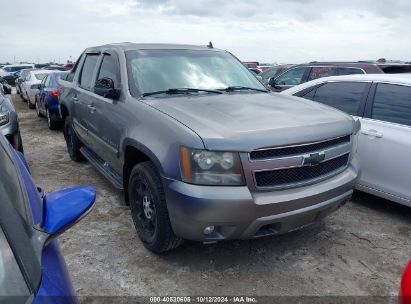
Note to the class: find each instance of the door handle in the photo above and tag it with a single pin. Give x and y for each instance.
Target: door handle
(372, 133)
(75, 99)
(92, 108)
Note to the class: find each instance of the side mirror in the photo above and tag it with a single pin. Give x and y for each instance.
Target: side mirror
(105, 87)
(271, 82)
(63, 208)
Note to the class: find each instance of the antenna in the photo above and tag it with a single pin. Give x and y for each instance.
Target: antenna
(210, 45)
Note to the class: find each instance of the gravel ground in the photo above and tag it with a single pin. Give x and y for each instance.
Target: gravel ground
(359, 250)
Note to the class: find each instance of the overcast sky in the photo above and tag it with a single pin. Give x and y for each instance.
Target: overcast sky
(263, 30)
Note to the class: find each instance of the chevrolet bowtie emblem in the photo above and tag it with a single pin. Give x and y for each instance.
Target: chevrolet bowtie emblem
(313, 159)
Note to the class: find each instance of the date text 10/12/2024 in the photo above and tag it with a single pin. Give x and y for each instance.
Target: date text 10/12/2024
(203, 299)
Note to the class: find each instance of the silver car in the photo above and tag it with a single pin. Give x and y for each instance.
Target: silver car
(382, 102)
(9, 124)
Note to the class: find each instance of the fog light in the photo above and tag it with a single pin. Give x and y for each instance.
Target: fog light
(208, 229)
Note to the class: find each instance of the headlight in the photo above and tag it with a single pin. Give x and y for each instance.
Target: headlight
(4, 118)
(203, 167)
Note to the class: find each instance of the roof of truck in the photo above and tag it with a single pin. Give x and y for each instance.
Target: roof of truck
(152, 46)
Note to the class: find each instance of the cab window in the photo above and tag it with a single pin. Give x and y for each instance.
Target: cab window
(110, 69)
(87, 72)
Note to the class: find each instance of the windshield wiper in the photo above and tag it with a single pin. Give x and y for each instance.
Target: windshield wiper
(181, 91)
(241, 88)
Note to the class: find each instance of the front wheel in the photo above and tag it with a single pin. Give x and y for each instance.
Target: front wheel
(72, 142)
(149, 209)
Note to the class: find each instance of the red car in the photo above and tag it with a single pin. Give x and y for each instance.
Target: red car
(405, 288)
(69, 66)
(251, 64)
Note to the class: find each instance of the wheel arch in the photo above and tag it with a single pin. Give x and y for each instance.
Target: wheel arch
(134, 153)
(64, 112)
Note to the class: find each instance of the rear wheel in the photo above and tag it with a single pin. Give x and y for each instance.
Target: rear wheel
(72, 141)
(36, 104)
(31, 106)
(149, 209)
(53, 125)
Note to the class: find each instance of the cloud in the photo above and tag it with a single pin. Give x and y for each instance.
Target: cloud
(271, 31)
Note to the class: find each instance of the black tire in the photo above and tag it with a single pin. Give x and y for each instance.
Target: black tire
(53, 125)
(154, 229)
(72, 142)
(36, 105)
(29, 103)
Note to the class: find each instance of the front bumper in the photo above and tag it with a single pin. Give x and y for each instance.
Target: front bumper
(237, 213)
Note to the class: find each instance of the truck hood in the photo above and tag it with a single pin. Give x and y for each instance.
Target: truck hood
(243, 121)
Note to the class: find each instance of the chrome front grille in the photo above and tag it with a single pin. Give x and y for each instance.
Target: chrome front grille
(299, 174)
(300, 149)
(297, 165)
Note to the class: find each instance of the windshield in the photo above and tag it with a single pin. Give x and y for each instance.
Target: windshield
(40, 76)
(158, 70)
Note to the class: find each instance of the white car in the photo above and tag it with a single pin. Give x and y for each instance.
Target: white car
(30, 85)
(382, 102)
(7, 70)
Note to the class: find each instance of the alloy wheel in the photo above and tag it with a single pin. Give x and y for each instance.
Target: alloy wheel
(145, 210)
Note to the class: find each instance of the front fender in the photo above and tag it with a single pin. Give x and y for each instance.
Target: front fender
(130, 142)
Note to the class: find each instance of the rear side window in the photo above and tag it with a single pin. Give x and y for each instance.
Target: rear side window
(319, 72)
(345, 96)
(349, 71)
(110, 69)
(392, 103)
(12, 282)
(87, 72)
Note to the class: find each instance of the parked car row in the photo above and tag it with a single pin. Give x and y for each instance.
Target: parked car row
(8, 72)
(11, 72)
(293, 75)
(40, 89)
